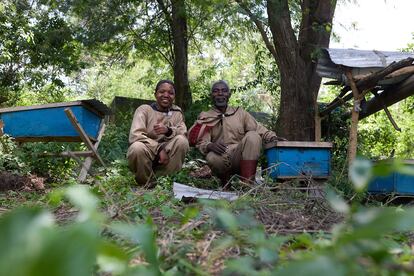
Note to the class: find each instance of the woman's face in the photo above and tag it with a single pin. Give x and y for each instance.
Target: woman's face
(165, 95)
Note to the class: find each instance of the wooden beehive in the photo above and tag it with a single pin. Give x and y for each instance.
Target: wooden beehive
(49, 122)
(398, 182)
(299, 160)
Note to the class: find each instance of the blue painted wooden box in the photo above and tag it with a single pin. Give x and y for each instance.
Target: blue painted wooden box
(299, 160)
(396, 182)
(49, 122)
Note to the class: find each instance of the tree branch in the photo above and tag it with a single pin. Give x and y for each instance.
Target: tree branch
(169, 60)
(260, 26)
(165, 10)
(316, 24)
(284, 38)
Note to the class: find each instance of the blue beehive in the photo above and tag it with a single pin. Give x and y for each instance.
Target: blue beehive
(49, 121)
(396, 182)
(299, 159)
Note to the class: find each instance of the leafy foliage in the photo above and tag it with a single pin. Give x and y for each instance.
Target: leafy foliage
(379, 138)
(10, 156)
(37, 48)
(365, 243)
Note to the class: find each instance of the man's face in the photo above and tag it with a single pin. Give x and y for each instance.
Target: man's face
(220, 95)
(165, 95)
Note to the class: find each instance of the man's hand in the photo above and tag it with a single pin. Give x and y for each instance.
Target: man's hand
(217, 147)
(277, 138)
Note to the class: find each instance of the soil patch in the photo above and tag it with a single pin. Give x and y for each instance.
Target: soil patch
(10, 181)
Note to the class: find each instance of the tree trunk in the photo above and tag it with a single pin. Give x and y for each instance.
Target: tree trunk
(180, 48)
(296, 58)
(296, 119)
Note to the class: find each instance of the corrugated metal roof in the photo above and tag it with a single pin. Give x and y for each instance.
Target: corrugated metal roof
(364, 58)
(362, 62)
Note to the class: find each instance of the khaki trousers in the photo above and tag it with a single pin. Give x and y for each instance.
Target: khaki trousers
(141, 158)
(248, 149)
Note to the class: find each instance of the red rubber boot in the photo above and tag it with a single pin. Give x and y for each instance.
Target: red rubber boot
(248, 170)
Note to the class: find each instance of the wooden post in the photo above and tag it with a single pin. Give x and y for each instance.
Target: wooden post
(82, 134)
(353, 133)
(88, 161)
(318, 128)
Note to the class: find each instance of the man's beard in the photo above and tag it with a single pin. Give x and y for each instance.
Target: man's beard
(220, 103)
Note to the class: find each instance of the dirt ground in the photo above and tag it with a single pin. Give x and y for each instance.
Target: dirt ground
(10, 181)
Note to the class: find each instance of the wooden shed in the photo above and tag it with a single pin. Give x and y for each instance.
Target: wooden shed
(373, 79)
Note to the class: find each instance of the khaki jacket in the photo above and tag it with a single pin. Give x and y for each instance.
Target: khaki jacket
(146, 117)
(230, 128)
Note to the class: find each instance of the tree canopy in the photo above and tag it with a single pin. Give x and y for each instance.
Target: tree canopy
(38, 47)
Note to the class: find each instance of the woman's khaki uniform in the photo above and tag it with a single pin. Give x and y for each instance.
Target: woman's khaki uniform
(145, 145)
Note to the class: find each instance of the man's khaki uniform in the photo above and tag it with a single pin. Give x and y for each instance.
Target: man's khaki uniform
(145, 144)
(238, 130)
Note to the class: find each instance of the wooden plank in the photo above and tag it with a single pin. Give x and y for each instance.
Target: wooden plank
(82, 134)
(41, 106)
(403, 71)
(77, 153)
(92, 109)
(303, 144)
(88, 161)
(69, 153)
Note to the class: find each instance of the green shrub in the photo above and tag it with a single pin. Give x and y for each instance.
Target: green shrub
(11, 157)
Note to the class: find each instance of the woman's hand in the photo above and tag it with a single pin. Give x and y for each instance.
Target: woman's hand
(160, 128)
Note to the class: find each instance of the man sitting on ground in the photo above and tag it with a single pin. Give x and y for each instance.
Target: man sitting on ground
(229, 137)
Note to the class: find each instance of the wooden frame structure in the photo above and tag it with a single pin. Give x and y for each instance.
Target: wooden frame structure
(361, 72)
(67, 122)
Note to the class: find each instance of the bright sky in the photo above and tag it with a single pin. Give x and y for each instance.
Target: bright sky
(378, 24)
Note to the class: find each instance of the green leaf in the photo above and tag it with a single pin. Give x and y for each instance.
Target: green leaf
(337, 202)
(374, 223)
(21, 236)
(240, 266)
(32, 245)
(81, 197)
(320, 265)
(111, 258)
(56, 196)
(144, 236)
(267, 255)
(189, 213)
(360, 172)
(226, 220)
(167, 211)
